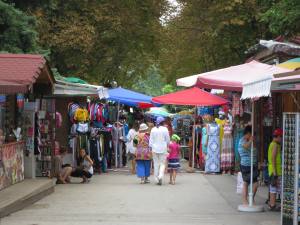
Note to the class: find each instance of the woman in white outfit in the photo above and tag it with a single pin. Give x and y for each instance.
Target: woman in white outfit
(130, 148)
(159, 142)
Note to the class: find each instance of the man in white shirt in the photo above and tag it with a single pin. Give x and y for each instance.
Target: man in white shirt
(159, 143)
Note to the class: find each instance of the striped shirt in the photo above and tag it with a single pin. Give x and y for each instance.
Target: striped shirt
(245, 154)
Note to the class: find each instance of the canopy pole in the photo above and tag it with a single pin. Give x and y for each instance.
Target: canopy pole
(251, 160)
(117, 142)
(250, 207)
(194, 137)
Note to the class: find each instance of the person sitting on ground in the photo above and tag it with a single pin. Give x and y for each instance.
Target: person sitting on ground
(244, 149)
(274, 168)
(85, 169)
(61, 172)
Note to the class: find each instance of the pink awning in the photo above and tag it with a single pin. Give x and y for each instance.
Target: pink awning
(231, 78)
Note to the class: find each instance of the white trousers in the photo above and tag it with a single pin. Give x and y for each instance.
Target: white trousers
(159, 161)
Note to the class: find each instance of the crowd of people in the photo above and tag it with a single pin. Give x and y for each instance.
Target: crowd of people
(147, 147)
(156, 147)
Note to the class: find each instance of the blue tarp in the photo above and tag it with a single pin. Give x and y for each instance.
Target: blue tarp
(128, 97)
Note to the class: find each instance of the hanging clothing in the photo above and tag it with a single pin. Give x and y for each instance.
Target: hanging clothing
(227, 153)
(117, 135)
(212, 162)
(238, 134)
(237, 106)
(221, 124)
(204, 140)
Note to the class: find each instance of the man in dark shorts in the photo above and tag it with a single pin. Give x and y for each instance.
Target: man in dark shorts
(244, 149)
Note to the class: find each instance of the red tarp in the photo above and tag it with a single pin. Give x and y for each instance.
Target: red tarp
(193, 96)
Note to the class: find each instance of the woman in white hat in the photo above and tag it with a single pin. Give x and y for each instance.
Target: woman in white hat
(143, 154)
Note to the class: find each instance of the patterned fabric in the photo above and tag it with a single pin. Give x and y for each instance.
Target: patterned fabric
(143, 151)
(212, 163)
(245, 154)
(227, 153)
(221, 124)
(237, 106)
(173, 164)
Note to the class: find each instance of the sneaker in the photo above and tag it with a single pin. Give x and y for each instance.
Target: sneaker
(160, 182)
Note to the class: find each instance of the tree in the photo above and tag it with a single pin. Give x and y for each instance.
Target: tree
(211, 34)
(283, 17)
(99, 40)
(152, 85)
(17, 30)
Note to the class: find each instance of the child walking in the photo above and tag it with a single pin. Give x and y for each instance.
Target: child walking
(173, 159)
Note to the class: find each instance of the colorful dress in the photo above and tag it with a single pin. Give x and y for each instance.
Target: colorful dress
(173, 158)
(221, 124)
(212, 163)
(227, 153)
(143, 155)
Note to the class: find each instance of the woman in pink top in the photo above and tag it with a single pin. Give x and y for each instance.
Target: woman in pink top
(173, 159)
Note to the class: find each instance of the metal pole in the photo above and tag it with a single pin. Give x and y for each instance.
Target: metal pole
(252, 146)
(194, 137)
(117, 142)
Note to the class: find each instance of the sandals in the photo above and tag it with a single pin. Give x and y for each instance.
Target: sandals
(274, 208)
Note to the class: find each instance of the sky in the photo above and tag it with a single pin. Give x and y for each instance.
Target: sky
(166, 18)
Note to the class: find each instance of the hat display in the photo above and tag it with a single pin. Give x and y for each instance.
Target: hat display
(143, 127)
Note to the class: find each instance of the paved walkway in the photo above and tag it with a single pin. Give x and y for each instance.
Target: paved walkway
(119, 199)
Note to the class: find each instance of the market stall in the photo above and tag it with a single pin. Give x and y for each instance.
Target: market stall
(117, 97)
(196, 97)
(23, 78)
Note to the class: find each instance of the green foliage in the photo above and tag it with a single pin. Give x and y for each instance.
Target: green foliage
(210, 34)
(284, 17)
(99, 40)
(17, 30)
(152, 85)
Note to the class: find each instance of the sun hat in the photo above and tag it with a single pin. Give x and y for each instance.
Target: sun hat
(143, 127)
(159, 120)
(175, 137)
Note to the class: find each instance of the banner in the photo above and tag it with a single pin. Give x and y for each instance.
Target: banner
(11, 163)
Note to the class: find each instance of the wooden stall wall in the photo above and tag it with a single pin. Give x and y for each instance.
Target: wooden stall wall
(291, 102)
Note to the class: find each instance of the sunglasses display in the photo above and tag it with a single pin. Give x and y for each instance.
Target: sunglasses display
(290, 158)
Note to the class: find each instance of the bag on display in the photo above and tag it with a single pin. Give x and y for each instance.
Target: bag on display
(82, 128)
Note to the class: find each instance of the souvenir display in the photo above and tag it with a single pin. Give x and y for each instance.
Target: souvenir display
(290, 184)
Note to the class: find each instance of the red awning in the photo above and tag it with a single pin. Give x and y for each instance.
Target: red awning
(19, 71)
(193, 96)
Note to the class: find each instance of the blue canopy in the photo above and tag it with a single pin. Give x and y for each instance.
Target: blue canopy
(128, 97)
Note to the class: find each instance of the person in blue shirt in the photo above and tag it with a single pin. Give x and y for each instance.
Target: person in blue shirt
(244, 149)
